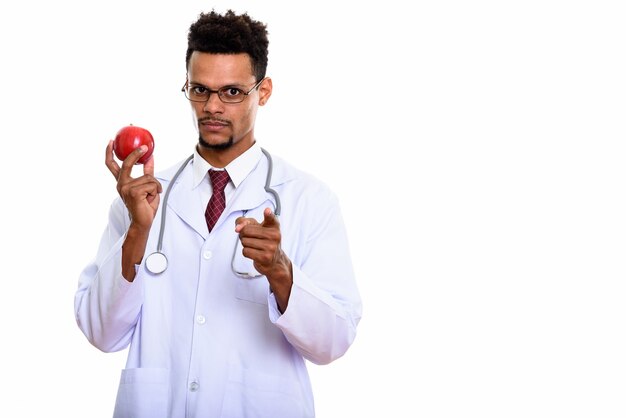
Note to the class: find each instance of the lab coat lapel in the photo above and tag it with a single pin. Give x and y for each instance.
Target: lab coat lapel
(251, 192)
(186, 202)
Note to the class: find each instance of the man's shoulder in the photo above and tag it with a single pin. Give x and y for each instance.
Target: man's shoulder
(299, 180)
(285, 171)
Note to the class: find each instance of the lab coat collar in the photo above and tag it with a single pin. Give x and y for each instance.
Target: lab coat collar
(238, 169)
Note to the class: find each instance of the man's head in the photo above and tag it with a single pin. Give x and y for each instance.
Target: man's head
(226, 83)
(230, 33)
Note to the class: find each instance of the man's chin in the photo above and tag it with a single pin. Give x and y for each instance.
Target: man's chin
(215, 146)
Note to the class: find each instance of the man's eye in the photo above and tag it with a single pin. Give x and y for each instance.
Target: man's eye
(199, 90)
(231, 92)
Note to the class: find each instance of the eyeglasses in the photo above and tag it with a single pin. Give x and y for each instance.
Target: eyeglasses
(227, 94)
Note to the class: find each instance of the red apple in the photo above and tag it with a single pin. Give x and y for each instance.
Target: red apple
(131, 137)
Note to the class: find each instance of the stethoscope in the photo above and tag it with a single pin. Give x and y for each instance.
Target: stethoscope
(156, 263)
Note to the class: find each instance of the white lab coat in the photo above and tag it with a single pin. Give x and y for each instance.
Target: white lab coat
(205, 342)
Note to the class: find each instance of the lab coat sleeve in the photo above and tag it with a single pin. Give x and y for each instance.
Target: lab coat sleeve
(106, 305)
(324, 305)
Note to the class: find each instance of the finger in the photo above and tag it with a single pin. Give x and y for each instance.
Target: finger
(109, 161)
(135, 193)
(142, 182)
(141, 188)
(262, 259)
(131, 160)
(254, 254)
(242, 221)
(258, 232)
(148, 167)
(269, 219)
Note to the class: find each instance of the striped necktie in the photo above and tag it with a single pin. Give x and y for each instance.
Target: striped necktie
(217, 203)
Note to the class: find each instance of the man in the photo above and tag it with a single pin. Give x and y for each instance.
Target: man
(220, 308)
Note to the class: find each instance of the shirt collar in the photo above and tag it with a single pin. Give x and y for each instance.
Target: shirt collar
(238, 169)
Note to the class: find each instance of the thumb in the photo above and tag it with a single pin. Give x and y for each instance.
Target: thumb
(242, 221)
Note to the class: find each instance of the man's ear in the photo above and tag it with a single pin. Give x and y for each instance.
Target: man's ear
(265, 91)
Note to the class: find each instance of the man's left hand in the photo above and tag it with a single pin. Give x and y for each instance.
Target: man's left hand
(261, 244)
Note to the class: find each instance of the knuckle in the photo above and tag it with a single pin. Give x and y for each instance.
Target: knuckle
(275, 235)
(266, 258)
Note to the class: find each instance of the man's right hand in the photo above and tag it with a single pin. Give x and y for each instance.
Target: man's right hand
(141, 197)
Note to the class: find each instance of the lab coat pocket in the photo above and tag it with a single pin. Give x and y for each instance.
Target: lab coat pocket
(253, 290)
(253, 394)
(143, 393)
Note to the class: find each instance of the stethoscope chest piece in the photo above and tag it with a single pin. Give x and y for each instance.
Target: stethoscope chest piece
(156, 263)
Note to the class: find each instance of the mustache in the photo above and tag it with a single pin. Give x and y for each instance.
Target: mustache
(213, 119)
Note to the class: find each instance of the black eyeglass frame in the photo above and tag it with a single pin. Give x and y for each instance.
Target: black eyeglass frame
(219, 92)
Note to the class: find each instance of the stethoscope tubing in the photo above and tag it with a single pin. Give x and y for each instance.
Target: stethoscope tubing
(156, 262)
(268, 179)
(166, 197)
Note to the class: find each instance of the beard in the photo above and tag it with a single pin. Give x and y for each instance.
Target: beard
(221, 146)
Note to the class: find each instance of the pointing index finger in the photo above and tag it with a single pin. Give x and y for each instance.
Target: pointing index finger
(269, 218)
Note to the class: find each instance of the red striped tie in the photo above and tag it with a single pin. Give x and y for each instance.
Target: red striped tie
(217, 203)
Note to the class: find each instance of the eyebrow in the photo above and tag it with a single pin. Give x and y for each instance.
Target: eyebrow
(236, 85)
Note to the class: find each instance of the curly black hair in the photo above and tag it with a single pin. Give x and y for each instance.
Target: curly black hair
(230, 33)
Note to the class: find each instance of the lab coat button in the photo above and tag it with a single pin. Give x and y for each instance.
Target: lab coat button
(207, 254)
(194, 386)
(200, 319)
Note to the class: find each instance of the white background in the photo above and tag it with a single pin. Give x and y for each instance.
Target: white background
(492, 278)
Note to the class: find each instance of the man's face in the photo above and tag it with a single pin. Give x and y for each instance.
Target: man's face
(225, 125)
